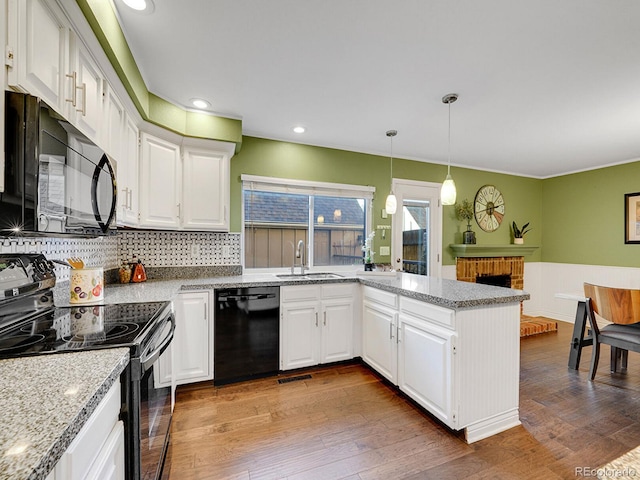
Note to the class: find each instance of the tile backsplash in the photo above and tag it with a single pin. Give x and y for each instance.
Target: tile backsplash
(154, 249)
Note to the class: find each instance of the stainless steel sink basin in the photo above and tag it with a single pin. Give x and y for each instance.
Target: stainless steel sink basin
(309, 276)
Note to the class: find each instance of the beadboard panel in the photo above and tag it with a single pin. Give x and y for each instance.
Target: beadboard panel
(487, 360)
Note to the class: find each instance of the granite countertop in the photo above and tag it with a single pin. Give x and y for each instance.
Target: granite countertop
(438, 291)
(44, 402)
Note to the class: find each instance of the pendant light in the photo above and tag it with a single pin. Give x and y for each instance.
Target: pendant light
(448, 191)
(391, 204)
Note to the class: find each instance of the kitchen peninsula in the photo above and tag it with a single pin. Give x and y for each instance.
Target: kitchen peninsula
(453, 347)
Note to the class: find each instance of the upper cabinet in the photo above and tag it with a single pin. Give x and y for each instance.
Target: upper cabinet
(38, 50)
(184, 187)
(48, 59)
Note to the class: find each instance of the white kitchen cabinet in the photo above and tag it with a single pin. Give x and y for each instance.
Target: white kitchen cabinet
(160, 181)
(98, 449)
(38, 48)
(184, 187)
(49, 60)
(205, 192)
(460, 365)
(379, 332)
(425, 365)
(192, 344)
(88, 111)
(316, 324)
(114, 124)
(128, 163)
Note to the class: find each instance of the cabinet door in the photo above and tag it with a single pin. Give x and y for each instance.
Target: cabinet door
(110, 463)
(128, 209)
(193, 340)
(205, 190)
(337, 330)
(379, 342)
(160, 177)
(114, 122)
(39, 36)
(299, 335)
(89, 108)
(425, 366)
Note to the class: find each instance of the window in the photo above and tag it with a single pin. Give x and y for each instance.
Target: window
(278, 213)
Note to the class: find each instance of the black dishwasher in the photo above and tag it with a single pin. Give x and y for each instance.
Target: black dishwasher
(246, 334)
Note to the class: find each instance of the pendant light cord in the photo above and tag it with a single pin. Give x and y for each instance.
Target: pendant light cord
(449, 148)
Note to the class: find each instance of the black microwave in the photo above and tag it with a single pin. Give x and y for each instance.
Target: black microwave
(56, 180)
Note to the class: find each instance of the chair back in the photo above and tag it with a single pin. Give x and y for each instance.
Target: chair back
(615, 305)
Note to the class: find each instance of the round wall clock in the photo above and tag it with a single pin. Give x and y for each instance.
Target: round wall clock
(489, 208)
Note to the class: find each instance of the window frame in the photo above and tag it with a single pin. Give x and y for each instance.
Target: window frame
(304, 187)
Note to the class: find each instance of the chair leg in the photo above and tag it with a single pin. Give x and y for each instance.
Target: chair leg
(615, 359)
(595, 356)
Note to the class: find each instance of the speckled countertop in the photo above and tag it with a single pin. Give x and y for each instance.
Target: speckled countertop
(438, 291)
(626, 467)
(44, 402)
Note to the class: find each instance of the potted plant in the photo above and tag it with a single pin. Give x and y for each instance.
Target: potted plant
(464, 211)
(518, 233)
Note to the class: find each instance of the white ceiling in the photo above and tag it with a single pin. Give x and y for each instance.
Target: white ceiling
(546, 87)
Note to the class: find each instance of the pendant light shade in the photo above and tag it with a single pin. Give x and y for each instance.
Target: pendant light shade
(448, 190)
(391, 205)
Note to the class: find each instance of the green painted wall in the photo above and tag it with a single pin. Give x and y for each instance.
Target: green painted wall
(303, 162)
(584, 217)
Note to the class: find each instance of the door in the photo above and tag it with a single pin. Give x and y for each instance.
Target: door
(88, 110)
(128, 176)
(160, 180)
(417, 228)
(39, 33)
(425, 366)
(300, 333)
(205, 197)
(379, 344)
(337, 330)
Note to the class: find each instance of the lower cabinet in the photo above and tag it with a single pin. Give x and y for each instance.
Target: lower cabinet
(192, 345)
(98, 449)
(379, 332)
(316, 324)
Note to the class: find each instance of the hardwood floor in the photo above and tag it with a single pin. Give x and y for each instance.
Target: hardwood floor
(345, 423)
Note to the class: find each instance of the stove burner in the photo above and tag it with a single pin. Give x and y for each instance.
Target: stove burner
(19, 343)
(111, 331)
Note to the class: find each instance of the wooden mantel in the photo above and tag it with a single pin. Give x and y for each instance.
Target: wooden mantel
(474, 250)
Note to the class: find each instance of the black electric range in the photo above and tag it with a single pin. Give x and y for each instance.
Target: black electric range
(30, 324)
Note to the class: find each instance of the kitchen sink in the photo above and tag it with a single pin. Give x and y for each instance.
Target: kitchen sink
(309, 276)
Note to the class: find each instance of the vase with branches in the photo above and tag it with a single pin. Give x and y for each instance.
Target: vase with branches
(464, 211)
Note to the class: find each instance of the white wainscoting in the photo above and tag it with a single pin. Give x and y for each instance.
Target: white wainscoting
(544, 280)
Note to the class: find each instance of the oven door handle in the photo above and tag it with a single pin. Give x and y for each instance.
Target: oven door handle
(149, 358)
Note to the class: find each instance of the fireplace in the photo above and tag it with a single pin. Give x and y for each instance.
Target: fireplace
(488, 269)
(503, 280)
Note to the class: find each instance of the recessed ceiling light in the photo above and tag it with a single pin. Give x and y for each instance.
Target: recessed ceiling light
(199, 103)
(145, 6)
(299, 129)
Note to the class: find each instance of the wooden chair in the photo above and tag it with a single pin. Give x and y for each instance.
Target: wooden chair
(621, 307)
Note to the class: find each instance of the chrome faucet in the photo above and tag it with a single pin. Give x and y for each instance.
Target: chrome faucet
(300, 255)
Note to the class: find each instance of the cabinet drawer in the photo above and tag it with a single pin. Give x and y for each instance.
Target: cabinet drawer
(299, 293)
(338, 290)
(84, 449)
(380, 296)
(426, 311)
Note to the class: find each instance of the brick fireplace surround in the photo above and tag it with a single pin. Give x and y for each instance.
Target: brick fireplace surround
(469, 268)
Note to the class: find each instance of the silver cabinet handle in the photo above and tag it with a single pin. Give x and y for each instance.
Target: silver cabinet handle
(130, 198)
(316, 319)
(205, 311)
(391, 331)
(126, 192)
(83, 110)
(74, 85)
(325, 318)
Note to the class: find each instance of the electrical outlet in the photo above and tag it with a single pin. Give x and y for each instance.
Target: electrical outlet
(385, 251)
(226, 250)
(195, 250)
